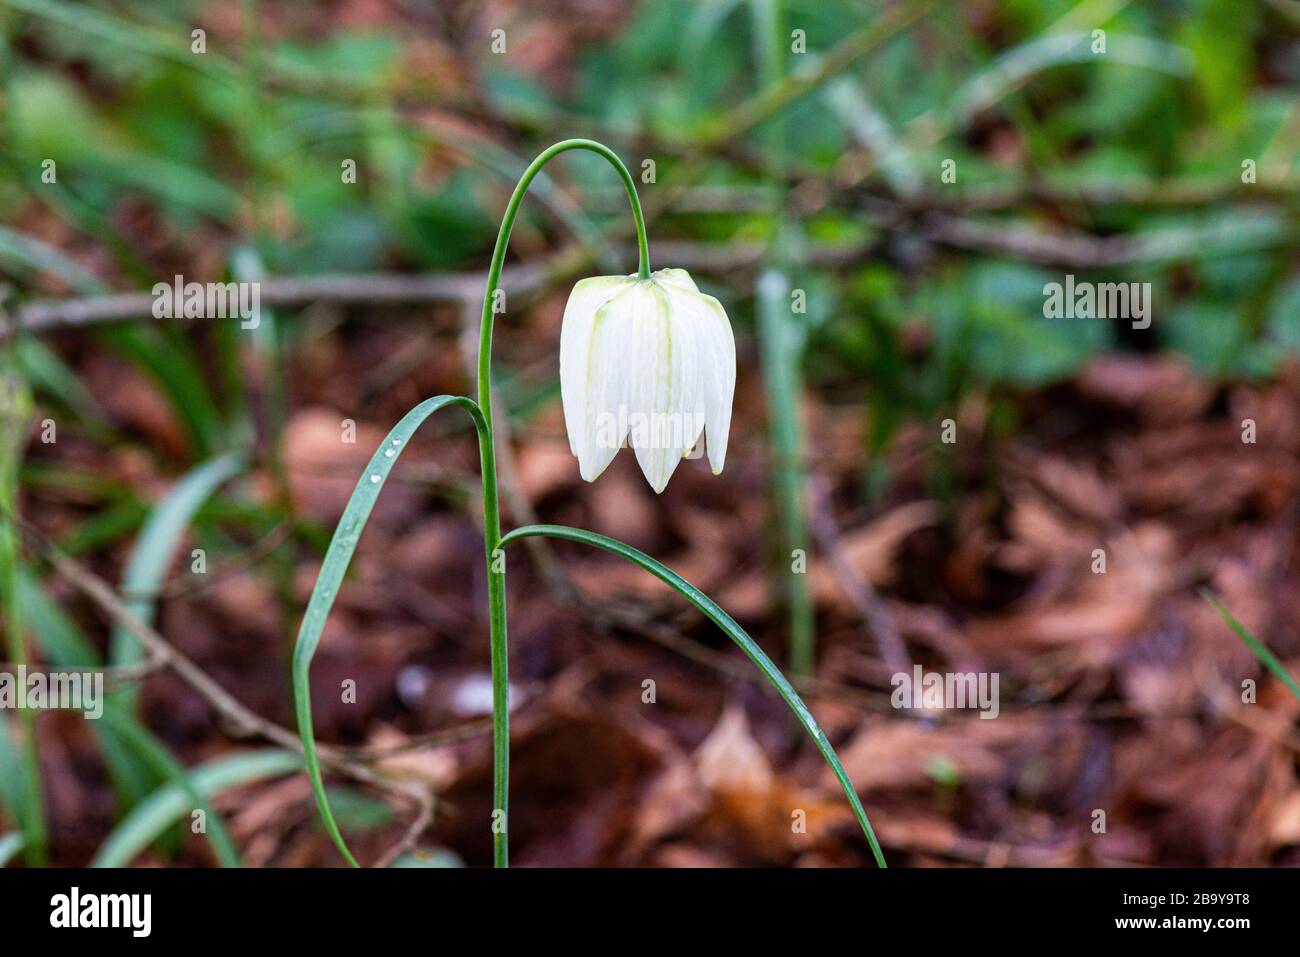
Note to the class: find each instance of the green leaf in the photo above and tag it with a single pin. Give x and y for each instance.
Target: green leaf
(145, 571)
(11, 773)
(130, 749)
(335, 566)
(158, 541)
(11, 844)
(782, 344)
(66, 647)
(51, 376)
(714, 613)
(1256, 646)
(113, 30)
(157, 756)
(174, 367)
(359, 811)
(30, 254)
(169, 803)
(64, 644)
(440, 857)
(1017, 66)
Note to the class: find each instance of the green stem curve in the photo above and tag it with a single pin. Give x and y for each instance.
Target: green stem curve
(491, 507)
(714, 612)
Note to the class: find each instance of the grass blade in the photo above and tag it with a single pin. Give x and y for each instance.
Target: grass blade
(157, 756)
(1256, 646)
(169, 803)
(714, 613)
(153, 552)
(11, 844)
(52, 378)
(128, 747)
(30, 254)
(335, 566)
(15, 412)
(157, 544)
(66, 647)
(781, 345)
(1017, 66)
(174, 368)
(11, 773)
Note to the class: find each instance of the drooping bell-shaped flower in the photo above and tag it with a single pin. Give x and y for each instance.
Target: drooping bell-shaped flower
(648, 361)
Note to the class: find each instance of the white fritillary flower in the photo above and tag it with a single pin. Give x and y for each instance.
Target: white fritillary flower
(648, 361)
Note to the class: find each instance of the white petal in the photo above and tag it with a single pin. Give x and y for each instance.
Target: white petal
(672, 412)
(716, 365)
(611, 379)
(655, 362)
(575, 350)
(675, 277)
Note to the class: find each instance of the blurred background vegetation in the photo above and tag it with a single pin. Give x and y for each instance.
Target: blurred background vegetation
(780, 146)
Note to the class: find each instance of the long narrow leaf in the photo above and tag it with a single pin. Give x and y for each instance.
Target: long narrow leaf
(129, 747)
(66, 647)
(169, 803)
(174, 367)
(1259, 649)
(714, 613)
(50, 375)
(11, 844)
(781, 346)
(29, 253)
(158, 541)
(1017, 65)
(168, 767)
(150, 558)
(335, 566)
(11, 772)
(18, 408)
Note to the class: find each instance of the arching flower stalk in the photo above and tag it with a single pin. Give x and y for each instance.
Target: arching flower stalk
(645, 359)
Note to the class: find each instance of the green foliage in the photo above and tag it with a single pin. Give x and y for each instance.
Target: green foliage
(715, 614)
(1013, 95)
(174, 801)
(333, 569)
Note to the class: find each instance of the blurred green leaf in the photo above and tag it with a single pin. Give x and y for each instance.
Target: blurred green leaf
(170, 803)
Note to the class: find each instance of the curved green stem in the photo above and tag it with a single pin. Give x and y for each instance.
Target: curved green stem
(491, 509)
(714, 612)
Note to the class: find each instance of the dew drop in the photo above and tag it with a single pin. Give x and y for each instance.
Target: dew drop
(389, 453)
(374, 479)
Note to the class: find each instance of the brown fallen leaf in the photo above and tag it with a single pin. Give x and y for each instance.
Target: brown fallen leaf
(871, 549)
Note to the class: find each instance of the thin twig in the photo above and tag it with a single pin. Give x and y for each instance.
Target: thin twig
(242, 720)
(115, 677)
(874, 611)
(423, 816)
(521, 282)
(44, 315)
